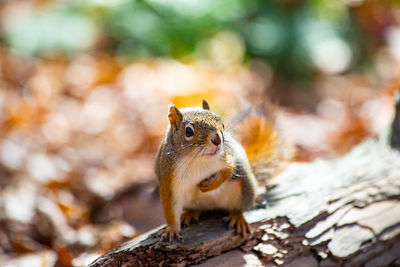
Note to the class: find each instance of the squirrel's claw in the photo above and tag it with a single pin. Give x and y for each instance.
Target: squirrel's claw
(190, 216)
(171, 236)
(237, 222)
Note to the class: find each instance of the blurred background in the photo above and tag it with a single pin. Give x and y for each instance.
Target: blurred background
(85, 85)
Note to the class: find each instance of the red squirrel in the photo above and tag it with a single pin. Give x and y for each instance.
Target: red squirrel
(200, 166)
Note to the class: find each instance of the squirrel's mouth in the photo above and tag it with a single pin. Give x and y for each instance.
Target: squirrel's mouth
(214, 152)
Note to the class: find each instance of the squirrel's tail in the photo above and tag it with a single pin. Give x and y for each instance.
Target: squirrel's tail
(267, 149)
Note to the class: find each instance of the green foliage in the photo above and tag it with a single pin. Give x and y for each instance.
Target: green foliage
(289, 35)
(50, 31)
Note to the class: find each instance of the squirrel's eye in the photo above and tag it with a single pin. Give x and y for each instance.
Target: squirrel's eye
(189, 132)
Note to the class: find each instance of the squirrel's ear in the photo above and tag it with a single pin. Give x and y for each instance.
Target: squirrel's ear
(174, 114)
(206, 105)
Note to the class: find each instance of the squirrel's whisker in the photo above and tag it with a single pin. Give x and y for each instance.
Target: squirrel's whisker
(189, 160)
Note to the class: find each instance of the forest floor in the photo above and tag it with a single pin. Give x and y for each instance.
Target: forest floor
(78, 139)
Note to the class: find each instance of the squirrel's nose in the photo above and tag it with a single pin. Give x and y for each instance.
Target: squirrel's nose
(216, 140)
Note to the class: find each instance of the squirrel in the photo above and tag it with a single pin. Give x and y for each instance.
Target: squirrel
(200, 166)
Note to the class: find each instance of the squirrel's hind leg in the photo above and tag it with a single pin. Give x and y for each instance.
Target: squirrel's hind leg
(238, 222)
(190, 216)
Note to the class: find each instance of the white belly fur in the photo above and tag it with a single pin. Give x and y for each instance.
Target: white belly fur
(228, 195)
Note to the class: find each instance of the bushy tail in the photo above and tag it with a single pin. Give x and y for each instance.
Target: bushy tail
(266, 148)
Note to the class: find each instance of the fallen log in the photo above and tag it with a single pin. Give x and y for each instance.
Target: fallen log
(342, 212)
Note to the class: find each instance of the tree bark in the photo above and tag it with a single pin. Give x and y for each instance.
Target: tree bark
(395, 135)
(325, 213)
(342, 212)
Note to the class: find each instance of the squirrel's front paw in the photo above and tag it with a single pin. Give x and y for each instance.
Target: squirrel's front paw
(209, 183)
(171, 235)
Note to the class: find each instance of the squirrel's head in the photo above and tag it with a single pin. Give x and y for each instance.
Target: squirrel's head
(196, 130)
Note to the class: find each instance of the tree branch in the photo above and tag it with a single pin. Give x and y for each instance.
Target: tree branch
(325, 213)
